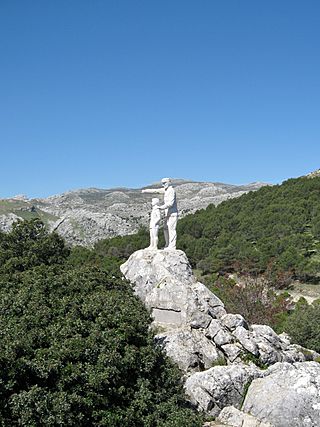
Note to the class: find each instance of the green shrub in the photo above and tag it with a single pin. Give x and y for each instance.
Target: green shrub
(29, 245)
(303, 325)
(75, 346)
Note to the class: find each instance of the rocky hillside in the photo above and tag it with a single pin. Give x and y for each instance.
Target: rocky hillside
(86, 216)
(243, 374)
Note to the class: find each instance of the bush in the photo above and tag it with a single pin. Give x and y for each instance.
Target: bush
(75, 346)
(252, 299)
(303, 324)
(29, 245)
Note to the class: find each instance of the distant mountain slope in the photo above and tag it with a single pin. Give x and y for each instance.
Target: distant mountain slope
(88, 215)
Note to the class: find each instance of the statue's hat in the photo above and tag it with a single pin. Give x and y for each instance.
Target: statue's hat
(165, 180)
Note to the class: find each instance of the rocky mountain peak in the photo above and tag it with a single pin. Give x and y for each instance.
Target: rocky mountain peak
(313, 174)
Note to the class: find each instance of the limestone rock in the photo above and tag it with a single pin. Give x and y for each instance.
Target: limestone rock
(6, 221)
(232, 351)
(220, 386)
(165, 283)
(190, 349)
(182, 307)
(233, 417)
(275, 348)
(200, 321)
(213, 347)
(222, 338)
(287, 395)
(269, 344)
(232, 321)
(193, 322)
(245, 339)
(213, 329)
(267, 334)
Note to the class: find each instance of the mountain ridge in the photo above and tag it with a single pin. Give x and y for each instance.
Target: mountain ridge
(84, 216)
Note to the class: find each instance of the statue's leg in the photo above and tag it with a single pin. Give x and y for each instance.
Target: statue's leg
(151, 239)
(155, 237)
(172, 228)
(166, 231)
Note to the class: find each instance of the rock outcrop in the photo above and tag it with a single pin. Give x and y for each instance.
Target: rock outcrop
(213, 389)
(6, 221)
(230, 416)
(224, 359)
(286, 395)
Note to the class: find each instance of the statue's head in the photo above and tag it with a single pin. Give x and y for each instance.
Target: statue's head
(166, 182)
(155, 201)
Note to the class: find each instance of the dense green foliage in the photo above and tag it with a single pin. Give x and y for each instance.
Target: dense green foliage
(303, 324)
(29, 245)
(75, 346)
(122, 247)
(274, 230)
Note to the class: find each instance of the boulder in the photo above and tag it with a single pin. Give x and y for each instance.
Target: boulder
(233, 417)
(220, 386)
(182, 308)
(232, 351)
(213, 329)
(223, 337)
(245, 339)
(190, 349)
(232, 321)
(286, 395)
(165, 283)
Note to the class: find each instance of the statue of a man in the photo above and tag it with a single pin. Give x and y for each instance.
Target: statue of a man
(170, 210)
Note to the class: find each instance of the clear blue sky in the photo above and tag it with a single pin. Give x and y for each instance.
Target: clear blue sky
(105, 93)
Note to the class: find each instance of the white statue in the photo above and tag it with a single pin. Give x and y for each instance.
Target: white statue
(171, 211)
(154, 224)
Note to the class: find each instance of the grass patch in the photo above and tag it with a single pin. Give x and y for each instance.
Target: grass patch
(247, 357)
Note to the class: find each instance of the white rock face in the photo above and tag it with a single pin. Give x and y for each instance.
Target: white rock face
(220, 354)
(190, 349)
(221, 386)
(6, 221)
(287, 395)
(165, 283)
(233, 417)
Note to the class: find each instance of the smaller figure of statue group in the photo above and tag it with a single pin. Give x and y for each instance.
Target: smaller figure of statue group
(170, 209)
